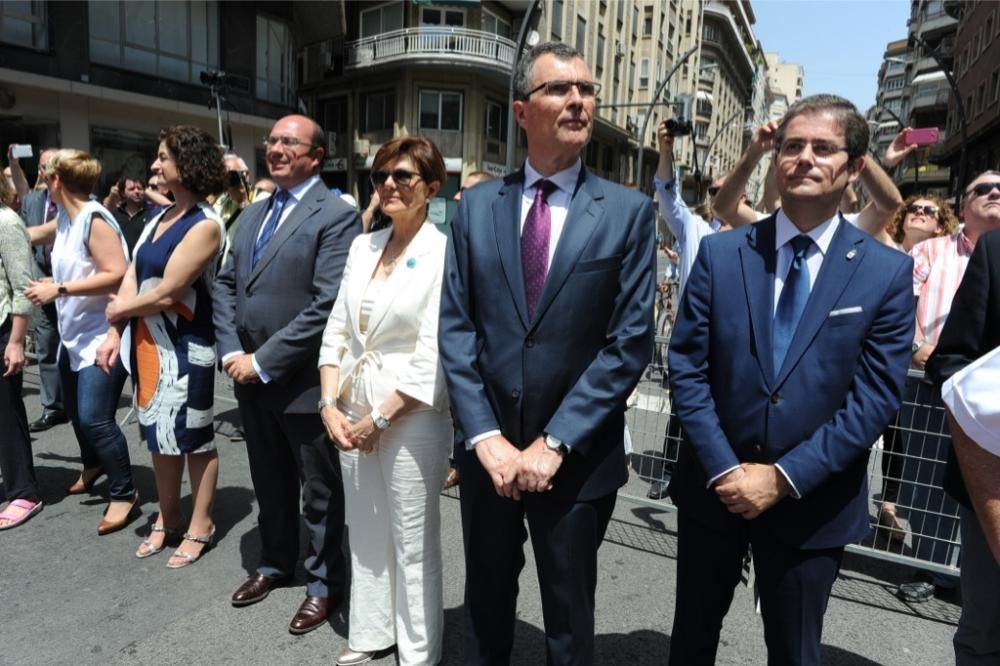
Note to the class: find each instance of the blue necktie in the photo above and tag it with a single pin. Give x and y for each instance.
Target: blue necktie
(270, 225)
(791, 303)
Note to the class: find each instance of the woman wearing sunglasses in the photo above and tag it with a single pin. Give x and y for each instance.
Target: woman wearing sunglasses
(89, 258)
(922, 216)
(385, 406)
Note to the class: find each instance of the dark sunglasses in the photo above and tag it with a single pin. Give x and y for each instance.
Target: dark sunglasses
(712, 191)
(401, 177)
(927, 210)
(561, 88)
(982, 189)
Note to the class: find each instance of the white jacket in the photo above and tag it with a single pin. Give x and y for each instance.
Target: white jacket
(400, 350)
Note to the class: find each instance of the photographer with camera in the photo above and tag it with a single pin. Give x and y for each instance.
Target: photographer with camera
(236, 197)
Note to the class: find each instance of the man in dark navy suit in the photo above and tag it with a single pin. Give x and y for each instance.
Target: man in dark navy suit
(546, 327)
(786, 363)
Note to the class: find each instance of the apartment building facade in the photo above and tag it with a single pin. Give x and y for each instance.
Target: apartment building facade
(124, 70)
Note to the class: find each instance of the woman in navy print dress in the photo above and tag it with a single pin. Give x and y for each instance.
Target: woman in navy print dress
(165, 295)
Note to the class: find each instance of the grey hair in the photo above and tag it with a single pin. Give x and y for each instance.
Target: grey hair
(523, 70)
(243, 165)
(855, 127)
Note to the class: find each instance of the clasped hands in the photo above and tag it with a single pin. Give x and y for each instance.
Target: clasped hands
(514, 471)
(240, 368)
(346, 436)
(751, 489)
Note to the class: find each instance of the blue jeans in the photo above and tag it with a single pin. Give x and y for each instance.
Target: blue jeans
(91, 400)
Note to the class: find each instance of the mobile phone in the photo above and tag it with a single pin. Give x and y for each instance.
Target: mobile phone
(21, 150)
(926, 136)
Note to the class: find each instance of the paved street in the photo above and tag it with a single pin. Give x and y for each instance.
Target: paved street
(69, 596)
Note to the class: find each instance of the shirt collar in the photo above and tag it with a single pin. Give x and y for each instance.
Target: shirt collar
(295, 193)
(565, 180)
(785, 230)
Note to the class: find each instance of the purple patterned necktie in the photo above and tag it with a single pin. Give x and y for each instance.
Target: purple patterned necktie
(535, 244)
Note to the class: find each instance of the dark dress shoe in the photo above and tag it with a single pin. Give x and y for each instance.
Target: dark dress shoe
(46, 421)
(312, 613)
(254, 589)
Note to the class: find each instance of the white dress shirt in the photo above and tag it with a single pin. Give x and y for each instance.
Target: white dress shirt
(558, 201)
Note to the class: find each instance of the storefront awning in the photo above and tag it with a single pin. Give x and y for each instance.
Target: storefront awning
(928, 77)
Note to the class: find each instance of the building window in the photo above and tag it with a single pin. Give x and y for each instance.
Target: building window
(23, 23)
(894, 83)
(275, 61)
(631, 76)
(379, 111)
(496, 121)
(599, 68)
(446, 18)
(710, 32)
(173, 40)
(647, 22)
(496, 25)
(995, 87)
(581, 33)
(644, 73)
(635, 21)
(383, 18)
(981, 98)
(440, 110)
(701, 131)
(557, 19)
(621, 12)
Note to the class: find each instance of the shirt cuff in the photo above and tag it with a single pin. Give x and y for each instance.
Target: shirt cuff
(470, 443)
(664, 184)
(795, 491)
(230, 355)
(264, 377)
(720, 475)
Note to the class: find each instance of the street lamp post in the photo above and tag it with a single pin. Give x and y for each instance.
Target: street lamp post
(962, 121)
(649, 110)
(522, 38)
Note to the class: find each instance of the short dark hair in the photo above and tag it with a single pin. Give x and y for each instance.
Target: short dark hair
(198, 157)
(523, 71)
(122, 181)
(421, 151)
(853, 124)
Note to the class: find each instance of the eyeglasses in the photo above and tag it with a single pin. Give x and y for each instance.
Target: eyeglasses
(712, 191)
(401, 177)
(913, 209)
(561, 88)
(821, 150)
(982, 189)
(285, 141)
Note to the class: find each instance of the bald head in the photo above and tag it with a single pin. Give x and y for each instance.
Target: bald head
(295, 150)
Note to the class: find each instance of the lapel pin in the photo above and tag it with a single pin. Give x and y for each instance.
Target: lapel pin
(851, 254)
(411, 262)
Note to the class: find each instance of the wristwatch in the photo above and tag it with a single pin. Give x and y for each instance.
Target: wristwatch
(323, 402)
(62, 290)
(380, 421)
(917, 344)
(555, 444)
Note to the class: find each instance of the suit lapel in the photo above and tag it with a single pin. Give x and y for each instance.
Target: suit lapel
(507, 227)
(399, 279)
(311, 201)
(581, 222)
(246, 236)
(361, 275)
(758, 260)
(842, 258)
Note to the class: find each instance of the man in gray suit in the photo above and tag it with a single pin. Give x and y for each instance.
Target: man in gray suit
(272, 299)
(38, 208)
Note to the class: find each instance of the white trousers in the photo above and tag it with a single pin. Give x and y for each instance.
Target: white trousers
(392, 499)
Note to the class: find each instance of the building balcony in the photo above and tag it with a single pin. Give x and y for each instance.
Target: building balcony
(432, 44)
(929, 99)
(937, 24)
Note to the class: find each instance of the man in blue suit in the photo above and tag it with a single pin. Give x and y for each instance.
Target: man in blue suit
(786, 363)
(546, 326)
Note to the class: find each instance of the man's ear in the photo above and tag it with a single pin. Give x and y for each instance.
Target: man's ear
(854, 168)
(518, 107)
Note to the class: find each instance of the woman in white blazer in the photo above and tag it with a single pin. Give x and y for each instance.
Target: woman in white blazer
(385, 406)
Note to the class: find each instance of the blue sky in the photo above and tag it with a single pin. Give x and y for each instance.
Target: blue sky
(839, 42)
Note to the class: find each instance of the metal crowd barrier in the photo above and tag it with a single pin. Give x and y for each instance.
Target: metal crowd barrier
(906, 469)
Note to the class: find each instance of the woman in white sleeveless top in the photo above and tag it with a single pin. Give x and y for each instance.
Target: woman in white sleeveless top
(89, 258)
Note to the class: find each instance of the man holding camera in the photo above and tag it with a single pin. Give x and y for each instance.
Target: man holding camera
(236, 197)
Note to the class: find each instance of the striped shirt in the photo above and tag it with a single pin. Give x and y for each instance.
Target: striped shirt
(938, 267)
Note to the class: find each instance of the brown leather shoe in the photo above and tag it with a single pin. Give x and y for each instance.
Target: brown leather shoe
(108, 526)
(312, 613)
(254, 589)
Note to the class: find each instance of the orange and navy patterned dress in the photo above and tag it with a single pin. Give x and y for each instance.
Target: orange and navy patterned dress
(173, 360)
